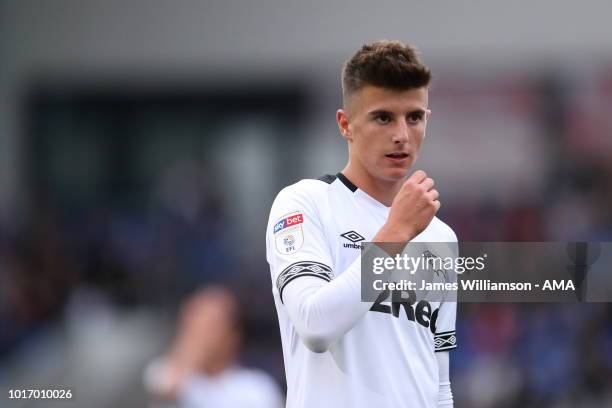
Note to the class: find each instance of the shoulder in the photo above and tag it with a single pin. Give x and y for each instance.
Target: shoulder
(236, 386)
(258, 384)
(298, 203)
(255, 376)
(304, 195)
(306, 189)
(443, 230)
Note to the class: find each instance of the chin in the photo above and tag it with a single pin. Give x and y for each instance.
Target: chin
(394, 174)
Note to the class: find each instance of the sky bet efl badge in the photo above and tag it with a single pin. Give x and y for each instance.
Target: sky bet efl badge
(288, 233)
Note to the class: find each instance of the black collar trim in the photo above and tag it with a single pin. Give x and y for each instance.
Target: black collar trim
(348, 183)
(328, 178)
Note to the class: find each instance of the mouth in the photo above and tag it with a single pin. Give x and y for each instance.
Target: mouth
(400, 159)
(397, 155)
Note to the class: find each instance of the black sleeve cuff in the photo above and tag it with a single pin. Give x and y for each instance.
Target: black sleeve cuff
(445, 341)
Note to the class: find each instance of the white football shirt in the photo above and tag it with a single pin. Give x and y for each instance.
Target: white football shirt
(339, 351)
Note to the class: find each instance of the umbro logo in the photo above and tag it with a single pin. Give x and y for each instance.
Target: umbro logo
(353, 237)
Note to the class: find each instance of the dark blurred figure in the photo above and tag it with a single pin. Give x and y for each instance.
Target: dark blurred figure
(200, 369)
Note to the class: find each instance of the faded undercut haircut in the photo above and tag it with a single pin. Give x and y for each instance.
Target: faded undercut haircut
(386, 64)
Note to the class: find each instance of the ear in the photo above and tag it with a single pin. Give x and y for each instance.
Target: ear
(343, 124)
(427, 116)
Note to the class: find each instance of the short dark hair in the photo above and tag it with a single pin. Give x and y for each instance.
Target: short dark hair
(386, 64)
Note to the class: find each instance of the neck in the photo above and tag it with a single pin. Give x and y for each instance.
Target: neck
(214, 368)
(216, 364)
(383, 191)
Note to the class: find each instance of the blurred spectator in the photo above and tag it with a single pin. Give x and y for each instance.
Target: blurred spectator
(200, 369)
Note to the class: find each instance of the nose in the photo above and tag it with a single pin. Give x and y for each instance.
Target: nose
(401, 134)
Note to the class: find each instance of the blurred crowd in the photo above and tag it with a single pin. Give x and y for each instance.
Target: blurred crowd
(67, 269)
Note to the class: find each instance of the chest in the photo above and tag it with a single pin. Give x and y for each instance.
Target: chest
(348, 222)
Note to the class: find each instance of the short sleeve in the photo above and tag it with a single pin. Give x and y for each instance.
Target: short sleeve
(295, 239)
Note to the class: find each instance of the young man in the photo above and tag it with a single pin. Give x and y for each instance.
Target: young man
(338, 350)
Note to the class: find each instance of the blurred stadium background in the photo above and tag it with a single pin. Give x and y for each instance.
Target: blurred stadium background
(142, 144)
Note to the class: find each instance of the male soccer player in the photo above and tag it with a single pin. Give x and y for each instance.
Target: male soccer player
(338, 350)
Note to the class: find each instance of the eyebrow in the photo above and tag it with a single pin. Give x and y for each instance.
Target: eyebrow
(379, 112)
